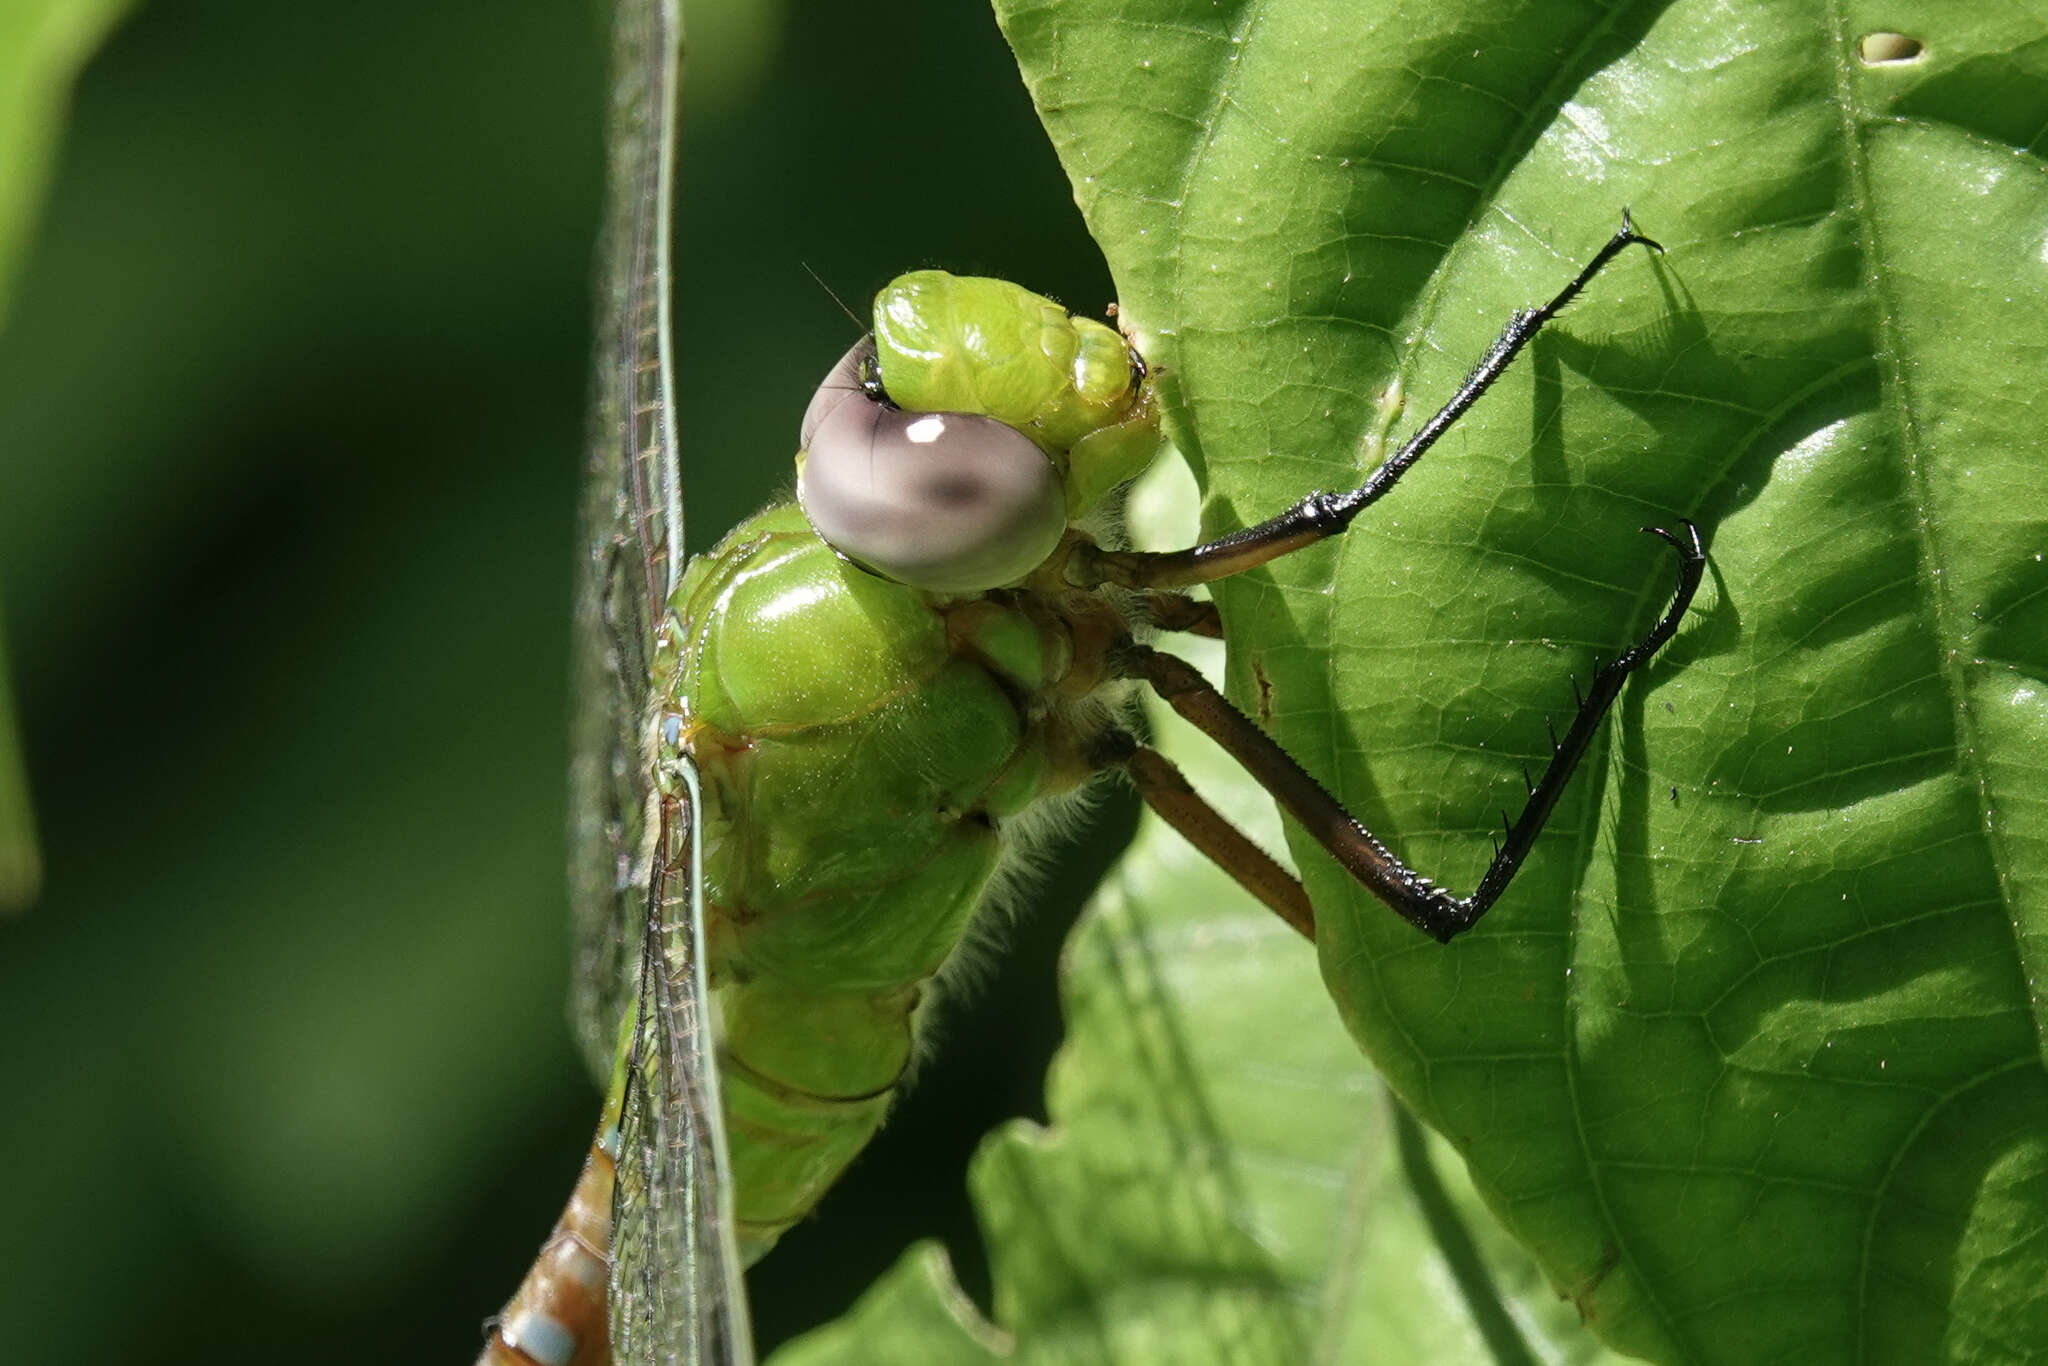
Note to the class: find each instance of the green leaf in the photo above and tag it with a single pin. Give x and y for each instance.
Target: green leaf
(42, 45)
(1225, 1179)
(1750, 1055)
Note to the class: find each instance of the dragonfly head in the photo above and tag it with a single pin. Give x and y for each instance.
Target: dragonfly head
(950, 449)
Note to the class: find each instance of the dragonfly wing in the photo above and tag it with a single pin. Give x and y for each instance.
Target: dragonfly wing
(633, 523)
(676, 1296)
(674, 1292)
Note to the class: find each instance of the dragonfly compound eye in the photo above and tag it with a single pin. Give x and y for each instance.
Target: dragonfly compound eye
(947, 502)
(843, 383)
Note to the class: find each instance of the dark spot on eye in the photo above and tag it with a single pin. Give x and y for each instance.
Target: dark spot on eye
(952, 490)
(1888, 49)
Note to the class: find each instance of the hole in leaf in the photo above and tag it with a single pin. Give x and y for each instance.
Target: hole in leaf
(1889, 49)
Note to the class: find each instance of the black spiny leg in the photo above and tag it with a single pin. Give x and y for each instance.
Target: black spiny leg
(1415, 898)
(1322, 515)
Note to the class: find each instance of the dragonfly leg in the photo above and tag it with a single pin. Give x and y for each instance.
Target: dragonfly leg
(1178, 612)
(1168, 793)
(1322, 515)
(1415, 898)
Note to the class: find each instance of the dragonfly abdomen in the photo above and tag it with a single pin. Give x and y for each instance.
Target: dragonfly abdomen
(557, 1316)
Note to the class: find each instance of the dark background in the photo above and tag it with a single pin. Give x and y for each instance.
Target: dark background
(290, 415)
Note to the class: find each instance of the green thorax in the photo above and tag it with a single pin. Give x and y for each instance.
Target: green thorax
(860, 749)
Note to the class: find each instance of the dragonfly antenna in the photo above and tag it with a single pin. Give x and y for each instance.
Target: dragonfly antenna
(857, 322)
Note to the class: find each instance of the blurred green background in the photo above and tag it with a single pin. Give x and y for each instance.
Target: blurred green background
(290, 414)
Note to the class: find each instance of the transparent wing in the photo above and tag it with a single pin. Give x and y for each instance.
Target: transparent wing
(675, 1294)
(632, 518)
(670, 1212)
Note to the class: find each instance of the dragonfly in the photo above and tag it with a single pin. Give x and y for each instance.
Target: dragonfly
(805, 755)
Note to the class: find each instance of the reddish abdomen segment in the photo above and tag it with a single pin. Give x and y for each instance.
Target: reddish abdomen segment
(557, 1316)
